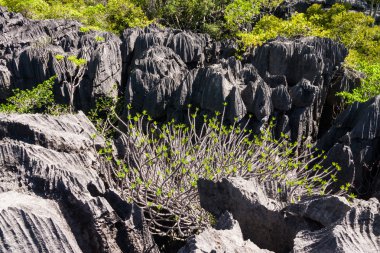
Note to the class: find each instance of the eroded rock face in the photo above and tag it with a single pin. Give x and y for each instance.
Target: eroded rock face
(226, 237)
(37, 225)
(354, 142)
(287, 79)
(260, 218)
(28, 49)
(306, 67)
(315, 224)
(357, 231)
(163, 70)
(55, 158)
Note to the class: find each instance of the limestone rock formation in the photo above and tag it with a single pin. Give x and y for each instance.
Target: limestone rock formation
(226, 237)
(50, 163)
(37, 225)
(28, 50)
(287, 79)
(306, 67)
(315, 224)
(353, 141)
(357, 231)
(162, 70)
(260, 217)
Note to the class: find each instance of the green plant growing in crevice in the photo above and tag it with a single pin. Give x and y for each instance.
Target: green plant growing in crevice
(72, 70)
(103, 115)
(112, 15)
(100, 39)
(353, 29)
(162, 165)
(370, 85)
(40, 99)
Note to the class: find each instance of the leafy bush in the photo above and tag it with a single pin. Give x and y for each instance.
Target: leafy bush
(189, 14)
(122, 14)
(72, 70)
(113, 15)
(243, 11)
(370, 86)
(162, 165)
(354, 29)
(37, 100)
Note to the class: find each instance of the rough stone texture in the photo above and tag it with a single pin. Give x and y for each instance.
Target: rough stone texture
(28, 49)
(226, 237)
(163, 70)
(357, 231)
(324, 210)
(288, 7)
(315, 224)
(343, 80)
(306, 67)
(354, 142)
(260, 217)
(55, 158)
(288, 79)
(36, 224)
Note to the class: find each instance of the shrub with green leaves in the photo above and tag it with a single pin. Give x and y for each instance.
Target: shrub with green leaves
(370, 85)
(354, 29)
(243, 11)
(37, 100)
(72, 70)
(113, 15)
(163, 163)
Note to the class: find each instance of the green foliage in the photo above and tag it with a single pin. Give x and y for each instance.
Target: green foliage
(86, 29)
(122, 13)
(102, 115)
(354, 29)
(189, 14)
(241, 11)
(370, 86)
(163, 164)
(37, 100)
(76, 61)
(113, 15)
(100, 39)
(72, 70)
(29, 8)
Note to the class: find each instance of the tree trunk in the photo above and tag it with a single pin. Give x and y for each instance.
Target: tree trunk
(376, 11)
(371, 7)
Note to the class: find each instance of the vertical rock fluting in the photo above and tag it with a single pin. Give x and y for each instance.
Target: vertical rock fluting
(28, 49)
(287, 79)
(354, 142)
(315, 224)
(52, 161)
(163, 70)
(307, 67)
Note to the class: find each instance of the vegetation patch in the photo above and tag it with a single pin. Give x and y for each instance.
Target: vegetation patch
(37, 100)
(161, 163)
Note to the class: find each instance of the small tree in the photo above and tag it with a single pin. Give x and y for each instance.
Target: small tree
(161, 164)
(72, 70)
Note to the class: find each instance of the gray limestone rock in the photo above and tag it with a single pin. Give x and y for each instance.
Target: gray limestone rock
(33, 224)
(28, 50)
(226, 237)
(303, 93)
(357, 231)
(314, 224)
(281, 98)
(260, 218)
(55, 158)
(353, 141)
